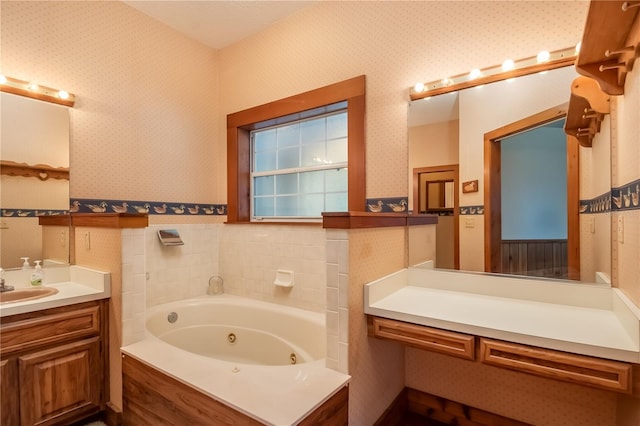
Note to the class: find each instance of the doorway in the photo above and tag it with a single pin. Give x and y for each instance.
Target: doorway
(435, 191)
(551, 258)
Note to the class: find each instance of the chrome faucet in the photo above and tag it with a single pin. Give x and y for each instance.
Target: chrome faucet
(216, 285)
(3, 286)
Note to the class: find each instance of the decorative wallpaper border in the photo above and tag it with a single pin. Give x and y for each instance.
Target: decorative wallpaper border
(626, 197)
(471, 210)
(387, 205)
(31, 212)
(599, 204)
(84, 205)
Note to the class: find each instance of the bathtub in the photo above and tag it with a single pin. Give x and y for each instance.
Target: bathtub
(241, 331)
(265, 360)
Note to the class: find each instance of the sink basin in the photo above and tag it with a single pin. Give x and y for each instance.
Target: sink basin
(22, 294)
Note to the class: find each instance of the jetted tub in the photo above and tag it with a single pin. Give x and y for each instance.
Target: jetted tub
(242, 331)
(262, 359)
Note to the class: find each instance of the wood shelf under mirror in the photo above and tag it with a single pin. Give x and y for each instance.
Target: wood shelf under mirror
(610, 44)
(40, 171)
(588, 105)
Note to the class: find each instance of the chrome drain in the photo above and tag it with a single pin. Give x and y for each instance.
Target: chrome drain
(293, 358)
(231, 338)
(172, 317)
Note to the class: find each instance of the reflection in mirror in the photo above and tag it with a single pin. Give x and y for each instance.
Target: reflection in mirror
(35, 180)
(438, 194)
(450, 129)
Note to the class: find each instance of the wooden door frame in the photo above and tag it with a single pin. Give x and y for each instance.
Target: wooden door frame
(493, 191)
(456, 210)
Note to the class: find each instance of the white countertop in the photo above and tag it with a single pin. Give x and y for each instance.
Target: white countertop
(75, 284)
(590, 320)
(274, 395)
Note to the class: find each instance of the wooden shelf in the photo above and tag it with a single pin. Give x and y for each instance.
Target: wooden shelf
(357, 220)
(588, 105)
(110, 220)
(610, 43)
(40, 171)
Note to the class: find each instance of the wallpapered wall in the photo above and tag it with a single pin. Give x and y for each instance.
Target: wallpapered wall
(149, 122)
(144, 124)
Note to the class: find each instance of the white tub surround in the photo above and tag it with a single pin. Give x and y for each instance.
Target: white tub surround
(593, 320)
(274, 395)
(75, 284)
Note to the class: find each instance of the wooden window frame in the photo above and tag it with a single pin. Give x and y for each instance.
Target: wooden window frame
(240, 124)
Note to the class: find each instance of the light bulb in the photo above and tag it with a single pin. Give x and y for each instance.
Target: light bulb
(3, 79)
(447, 81)
(419, 87)
(578, 46)
(508, 65)
(475, 73)
(543, 56)
(32, 87)
(63, 94)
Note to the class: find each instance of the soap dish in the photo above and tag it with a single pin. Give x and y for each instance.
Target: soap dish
(284, 278)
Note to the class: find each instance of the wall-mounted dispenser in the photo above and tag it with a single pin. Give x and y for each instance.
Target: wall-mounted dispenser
(170, 237)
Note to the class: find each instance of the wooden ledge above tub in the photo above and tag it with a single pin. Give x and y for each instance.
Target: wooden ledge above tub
(359, 220)
(55, 220)
(98, 220)
(110, 220)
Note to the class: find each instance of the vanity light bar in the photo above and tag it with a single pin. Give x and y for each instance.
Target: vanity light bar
(544, 61)
(35, 91)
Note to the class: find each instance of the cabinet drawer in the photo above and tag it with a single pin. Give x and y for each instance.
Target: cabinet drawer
(422, 337)
(584, 370)
(52, 328)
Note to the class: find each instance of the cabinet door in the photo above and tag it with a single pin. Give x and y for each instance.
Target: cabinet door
(61, 384)
(9, 395)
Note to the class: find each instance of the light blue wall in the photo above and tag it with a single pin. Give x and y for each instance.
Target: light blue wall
(534, 185)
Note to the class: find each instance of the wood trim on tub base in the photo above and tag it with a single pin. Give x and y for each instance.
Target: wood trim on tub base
(150, 397)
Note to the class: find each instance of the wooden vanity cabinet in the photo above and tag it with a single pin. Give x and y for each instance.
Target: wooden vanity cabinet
(53, 365)
(567, 367)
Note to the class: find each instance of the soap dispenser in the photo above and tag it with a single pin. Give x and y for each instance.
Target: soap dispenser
(36, 275)
(25, 263)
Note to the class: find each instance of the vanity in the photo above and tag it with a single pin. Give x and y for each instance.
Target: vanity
(53, 349)
(588, 335)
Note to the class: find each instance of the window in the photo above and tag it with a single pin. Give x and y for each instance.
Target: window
(276, 173)
(299, 169)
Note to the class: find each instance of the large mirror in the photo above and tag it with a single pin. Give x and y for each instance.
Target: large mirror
(34, 176)
(448, 134)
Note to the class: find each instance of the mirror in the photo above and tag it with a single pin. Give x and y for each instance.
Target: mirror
(34, 176)
(450, 129)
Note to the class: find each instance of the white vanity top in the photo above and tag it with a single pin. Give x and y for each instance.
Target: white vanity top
(594, 320)
(75, 284)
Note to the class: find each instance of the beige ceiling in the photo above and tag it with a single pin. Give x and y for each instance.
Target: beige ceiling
(218, 23)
